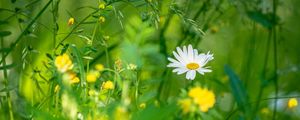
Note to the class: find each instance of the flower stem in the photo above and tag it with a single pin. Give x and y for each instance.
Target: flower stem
(275, 59)
(6, 82)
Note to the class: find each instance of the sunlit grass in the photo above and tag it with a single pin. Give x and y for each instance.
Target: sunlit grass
(149, 59)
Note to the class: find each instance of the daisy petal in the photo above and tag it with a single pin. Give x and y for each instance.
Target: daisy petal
(190, 75)
(190, 53)
(184, 50)
(183, 70)
(181, 54)
(187, 76)
(178, 70)
(173, 60)
(178, 57)
(203, 70)
(174, 65)
(193, 74)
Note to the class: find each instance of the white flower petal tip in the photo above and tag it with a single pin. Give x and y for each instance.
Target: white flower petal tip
(188, 60)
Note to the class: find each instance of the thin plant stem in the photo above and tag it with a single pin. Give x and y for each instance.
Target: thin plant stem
(263, 78)
(14, 44)
(275, 59)
(6, 83)
(74, 28)
(107, 56)
(137, 88)
(94, 32)
(54, 16)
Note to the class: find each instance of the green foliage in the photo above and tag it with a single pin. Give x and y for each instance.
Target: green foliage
(107, 59)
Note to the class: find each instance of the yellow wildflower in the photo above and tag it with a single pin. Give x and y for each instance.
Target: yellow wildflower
(142, 105)
(63, 63)
(56, 89)
(71, 77)
(99, 67)
(204, 98)
(92, 76)
(292, 103)
(185, 105)
(71, 21)
(92, 92)
(102, 5)
(75, 80)
(101, 19)
(108, 85)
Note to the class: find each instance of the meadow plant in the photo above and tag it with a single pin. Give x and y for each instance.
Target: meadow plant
(140, 59)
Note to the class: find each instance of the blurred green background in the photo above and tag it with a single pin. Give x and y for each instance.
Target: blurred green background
(256, 49)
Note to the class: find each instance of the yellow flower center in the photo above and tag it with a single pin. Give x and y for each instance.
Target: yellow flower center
(193, 66)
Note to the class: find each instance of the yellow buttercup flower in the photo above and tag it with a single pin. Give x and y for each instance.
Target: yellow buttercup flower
(102, 5)
(71, 77)
(75, 80)
(108, 85)
(185, 105)
(92, 76)
(71, 21)
(63, 63)
(292, 103)
(99, 67)
(204, 98)
(101, 19)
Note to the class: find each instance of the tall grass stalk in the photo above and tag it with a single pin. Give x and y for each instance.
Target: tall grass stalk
(6, 84)
(275, 58)
(19, 38)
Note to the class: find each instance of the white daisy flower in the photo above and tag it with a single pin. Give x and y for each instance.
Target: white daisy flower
(189, 61)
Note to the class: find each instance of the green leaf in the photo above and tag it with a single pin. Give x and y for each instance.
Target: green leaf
(79, 61)
(265, 20)
(64, 49)
(4, 33)
(238, 90)
(49, 56)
